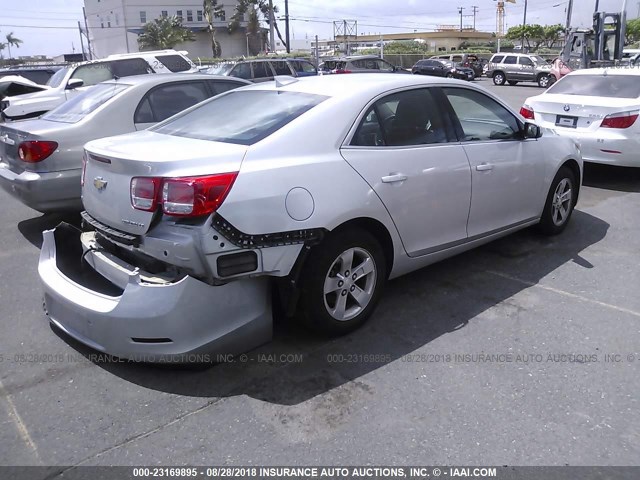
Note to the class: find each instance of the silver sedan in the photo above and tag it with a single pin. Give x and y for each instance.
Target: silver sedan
(321, 187)
(41, 159)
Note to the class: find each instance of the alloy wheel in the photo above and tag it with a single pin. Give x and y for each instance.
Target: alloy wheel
(561, 206)
(350, 283)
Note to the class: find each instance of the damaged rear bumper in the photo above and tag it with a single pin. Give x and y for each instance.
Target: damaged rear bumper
(115, 308)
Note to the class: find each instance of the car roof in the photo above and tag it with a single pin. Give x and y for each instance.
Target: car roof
(365, 84)
(606, 71)
(159, 78)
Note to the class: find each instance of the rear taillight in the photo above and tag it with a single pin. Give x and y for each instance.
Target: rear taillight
(527, 112)
(145, 192)
(34, 151)
(342, 70)
(195, 196)
(620, 120)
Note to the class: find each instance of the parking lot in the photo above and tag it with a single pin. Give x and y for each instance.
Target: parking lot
(525, 351)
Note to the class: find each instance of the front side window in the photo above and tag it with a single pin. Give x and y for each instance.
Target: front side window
(481, 118)
(241, 70)
(75, 109)
(93, 73)
(241, 117)
(165, 101)
(497, 58)
(57, 78)
(402, 119)
(613, 86)
(526, 61)
(384, 66)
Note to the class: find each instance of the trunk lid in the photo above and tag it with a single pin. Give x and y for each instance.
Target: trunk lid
(112, 163)
(581, 113)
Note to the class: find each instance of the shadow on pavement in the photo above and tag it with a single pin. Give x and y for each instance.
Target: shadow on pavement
(415, 310)
(621, 179)
(32, 228)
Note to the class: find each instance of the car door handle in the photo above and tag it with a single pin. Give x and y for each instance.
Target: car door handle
(483, 167)
(394, 177)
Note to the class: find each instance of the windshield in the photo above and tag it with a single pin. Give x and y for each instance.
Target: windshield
(57, 77)
(74, 110)
(539, 60)
(242, 118)
(615, 86)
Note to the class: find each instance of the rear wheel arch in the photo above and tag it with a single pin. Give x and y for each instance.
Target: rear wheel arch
(573, 165)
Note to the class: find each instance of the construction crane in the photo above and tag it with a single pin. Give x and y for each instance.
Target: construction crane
(500, 16)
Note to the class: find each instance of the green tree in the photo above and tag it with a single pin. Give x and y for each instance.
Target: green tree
(212, 11)
(533, 34)
(262, 9)
(551, 34)
(12, 41)
(633, 31)
(164, 32)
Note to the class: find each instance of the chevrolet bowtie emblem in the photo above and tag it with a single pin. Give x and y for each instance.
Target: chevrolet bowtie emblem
(100, 183)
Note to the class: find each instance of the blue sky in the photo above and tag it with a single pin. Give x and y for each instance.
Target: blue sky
(50, 26)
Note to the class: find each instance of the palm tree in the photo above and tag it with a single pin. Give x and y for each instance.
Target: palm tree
(212, 11)
(12, 41)
(264, 7)
(2, 47)
(163, 33)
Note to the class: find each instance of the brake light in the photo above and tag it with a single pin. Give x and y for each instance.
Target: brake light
(34, 151)
(620, 120)
(527, 112)
(342, 70)
(195, 196)
(144, 193)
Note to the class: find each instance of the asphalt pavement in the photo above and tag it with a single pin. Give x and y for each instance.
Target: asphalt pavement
(525, 351)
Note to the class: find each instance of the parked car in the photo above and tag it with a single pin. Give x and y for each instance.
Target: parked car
(467, 60)
(70, 81)
(358, 64)
(15, 85)
(513, 68)
(39, 75)
(264, 70)
(442, 68)
(41, 159)
(306, 184)
(596, 107)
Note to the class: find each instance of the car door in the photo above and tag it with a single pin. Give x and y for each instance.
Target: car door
(527, 69)
(507, 171)
(406, 151)
(166, 100)
(511, 67)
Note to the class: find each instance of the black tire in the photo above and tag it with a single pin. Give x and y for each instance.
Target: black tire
(449, 75)
(499, 78)
(544, 81)
(513, 83)
(549, 224)
(323, 264)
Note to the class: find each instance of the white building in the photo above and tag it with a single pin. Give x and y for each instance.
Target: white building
(114, 26)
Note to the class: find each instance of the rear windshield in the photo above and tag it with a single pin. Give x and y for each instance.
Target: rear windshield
(617, 86)
(242, 118)
(75, 109)
(175, 63)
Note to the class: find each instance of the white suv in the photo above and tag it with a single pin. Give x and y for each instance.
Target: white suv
(72, 80)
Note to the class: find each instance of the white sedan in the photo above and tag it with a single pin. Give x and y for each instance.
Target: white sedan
(596, 107)
(323, 187)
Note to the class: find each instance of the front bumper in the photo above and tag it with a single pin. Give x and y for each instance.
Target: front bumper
(159, 321)
(45, 192)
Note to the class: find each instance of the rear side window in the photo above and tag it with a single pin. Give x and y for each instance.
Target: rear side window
(129, 67)
(241, 70)
(497, 58)
(511, 60)
(78, 107)
(218, 87)
(167, 100)
(241, 117)
(301, 66)
(262, 70)
(614, 86)
(280, 67)
(175, 63)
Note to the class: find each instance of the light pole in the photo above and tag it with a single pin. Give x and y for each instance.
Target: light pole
(524, 26)
(247, 44)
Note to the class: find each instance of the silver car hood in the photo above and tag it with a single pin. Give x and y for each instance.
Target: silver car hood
(114, 161)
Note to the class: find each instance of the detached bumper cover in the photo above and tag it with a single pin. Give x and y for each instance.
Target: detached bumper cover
(182, 321)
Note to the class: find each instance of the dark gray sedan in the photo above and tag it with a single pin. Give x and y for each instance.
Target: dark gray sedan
(41, 159)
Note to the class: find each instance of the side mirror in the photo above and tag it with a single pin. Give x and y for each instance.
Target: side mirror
(75, 83)
(531, 130)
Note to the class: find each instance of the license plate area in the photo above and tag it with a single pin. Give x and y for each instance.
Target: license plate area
(566, 121)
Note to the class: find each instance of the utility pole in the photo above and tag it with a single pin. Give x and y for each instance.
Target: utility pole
(86, 31)
(475, 10)
(286, 25)
(81, 42)
(524, 25)
(124, 21)
(569, 9)
(460, 9)
(272, 37)
(317, 53)
(346, 38)
(381, 47)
